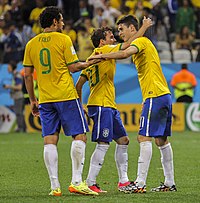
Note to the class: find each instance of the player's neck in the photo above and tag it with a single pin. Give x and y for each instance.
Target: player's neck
(49, 29)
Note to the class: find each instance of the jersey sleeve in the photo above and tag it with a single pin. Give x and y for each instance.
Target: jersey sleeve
(138, 43)
(69, 52)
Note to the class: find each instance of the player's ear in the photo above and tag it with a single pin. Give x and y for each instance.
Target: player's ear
(55, 22)
(132, 27)
(102, 42)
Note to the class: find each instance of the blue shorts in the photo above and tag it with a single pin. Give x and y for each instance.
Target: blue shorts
(156, 117)
(68, 114)
(107, 125)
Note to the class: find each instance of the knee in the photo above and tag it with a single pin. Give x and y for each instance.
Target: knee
(51, 139)
(141, 138)
(123, 140)
(161, 141)
(81, 137)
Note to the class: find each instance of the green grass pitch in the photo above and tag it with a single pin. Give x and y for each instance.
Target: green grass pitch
(23, 176)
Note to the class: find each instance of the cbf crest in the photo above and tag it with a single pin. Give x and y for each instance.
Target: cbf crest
(105, 132)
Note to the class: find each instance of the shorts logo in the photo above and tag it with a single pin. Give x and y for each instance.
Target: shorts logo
(105, 132)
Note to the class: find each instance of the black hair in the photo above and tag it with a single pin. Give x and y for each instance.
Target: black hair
(129, 20)
(99, 34)
(184, 66)
(13, 64)
(48, 15)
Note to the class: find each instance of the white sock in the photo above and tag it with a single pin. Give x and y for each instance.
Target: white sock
(51, 162)
(96, 163)
(121, 159)
(78, 159)
(144, 162)
(167, 164)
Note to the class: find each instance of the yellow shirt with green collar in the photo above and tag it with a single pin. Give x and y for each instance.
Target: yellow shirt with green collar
(101, 79)
(150, 75)
(50, 53)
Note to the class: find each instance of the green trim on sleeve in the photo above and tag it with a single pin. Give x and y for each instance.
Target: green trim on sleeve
(85, 76)
(120, 47)
(135, 47)
(72, 62)
(31, 66)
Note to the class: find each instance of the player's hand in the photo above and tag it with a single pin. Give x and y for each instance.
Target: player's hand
(147, 22)
(99, 57)
(34, 108)
(94, 61)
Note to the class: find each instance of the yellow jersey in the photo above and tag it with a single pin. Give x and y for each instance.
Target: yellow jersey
(50, 53)
(150, 75)
(101, 79)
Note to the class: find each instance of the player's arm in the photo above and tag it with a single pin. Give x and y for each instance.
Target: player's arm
(28, 77)
(75, 67)
(79, 85)
(73, 64)
(117, 55)
(146, 23)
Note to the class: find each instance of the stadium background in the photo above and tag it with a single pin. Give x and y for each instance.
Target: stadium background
(22, 171)
(128, 98)
(128, 94)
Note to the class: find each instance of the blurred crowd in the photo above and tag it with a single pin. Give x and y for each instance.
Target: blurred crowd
(175, 21)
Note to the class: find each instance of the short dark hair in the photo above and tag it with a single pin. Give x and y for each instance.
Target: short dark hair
(99, 34)
(47, 16)
(13, 64)
(129, 20)
(184, 66)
